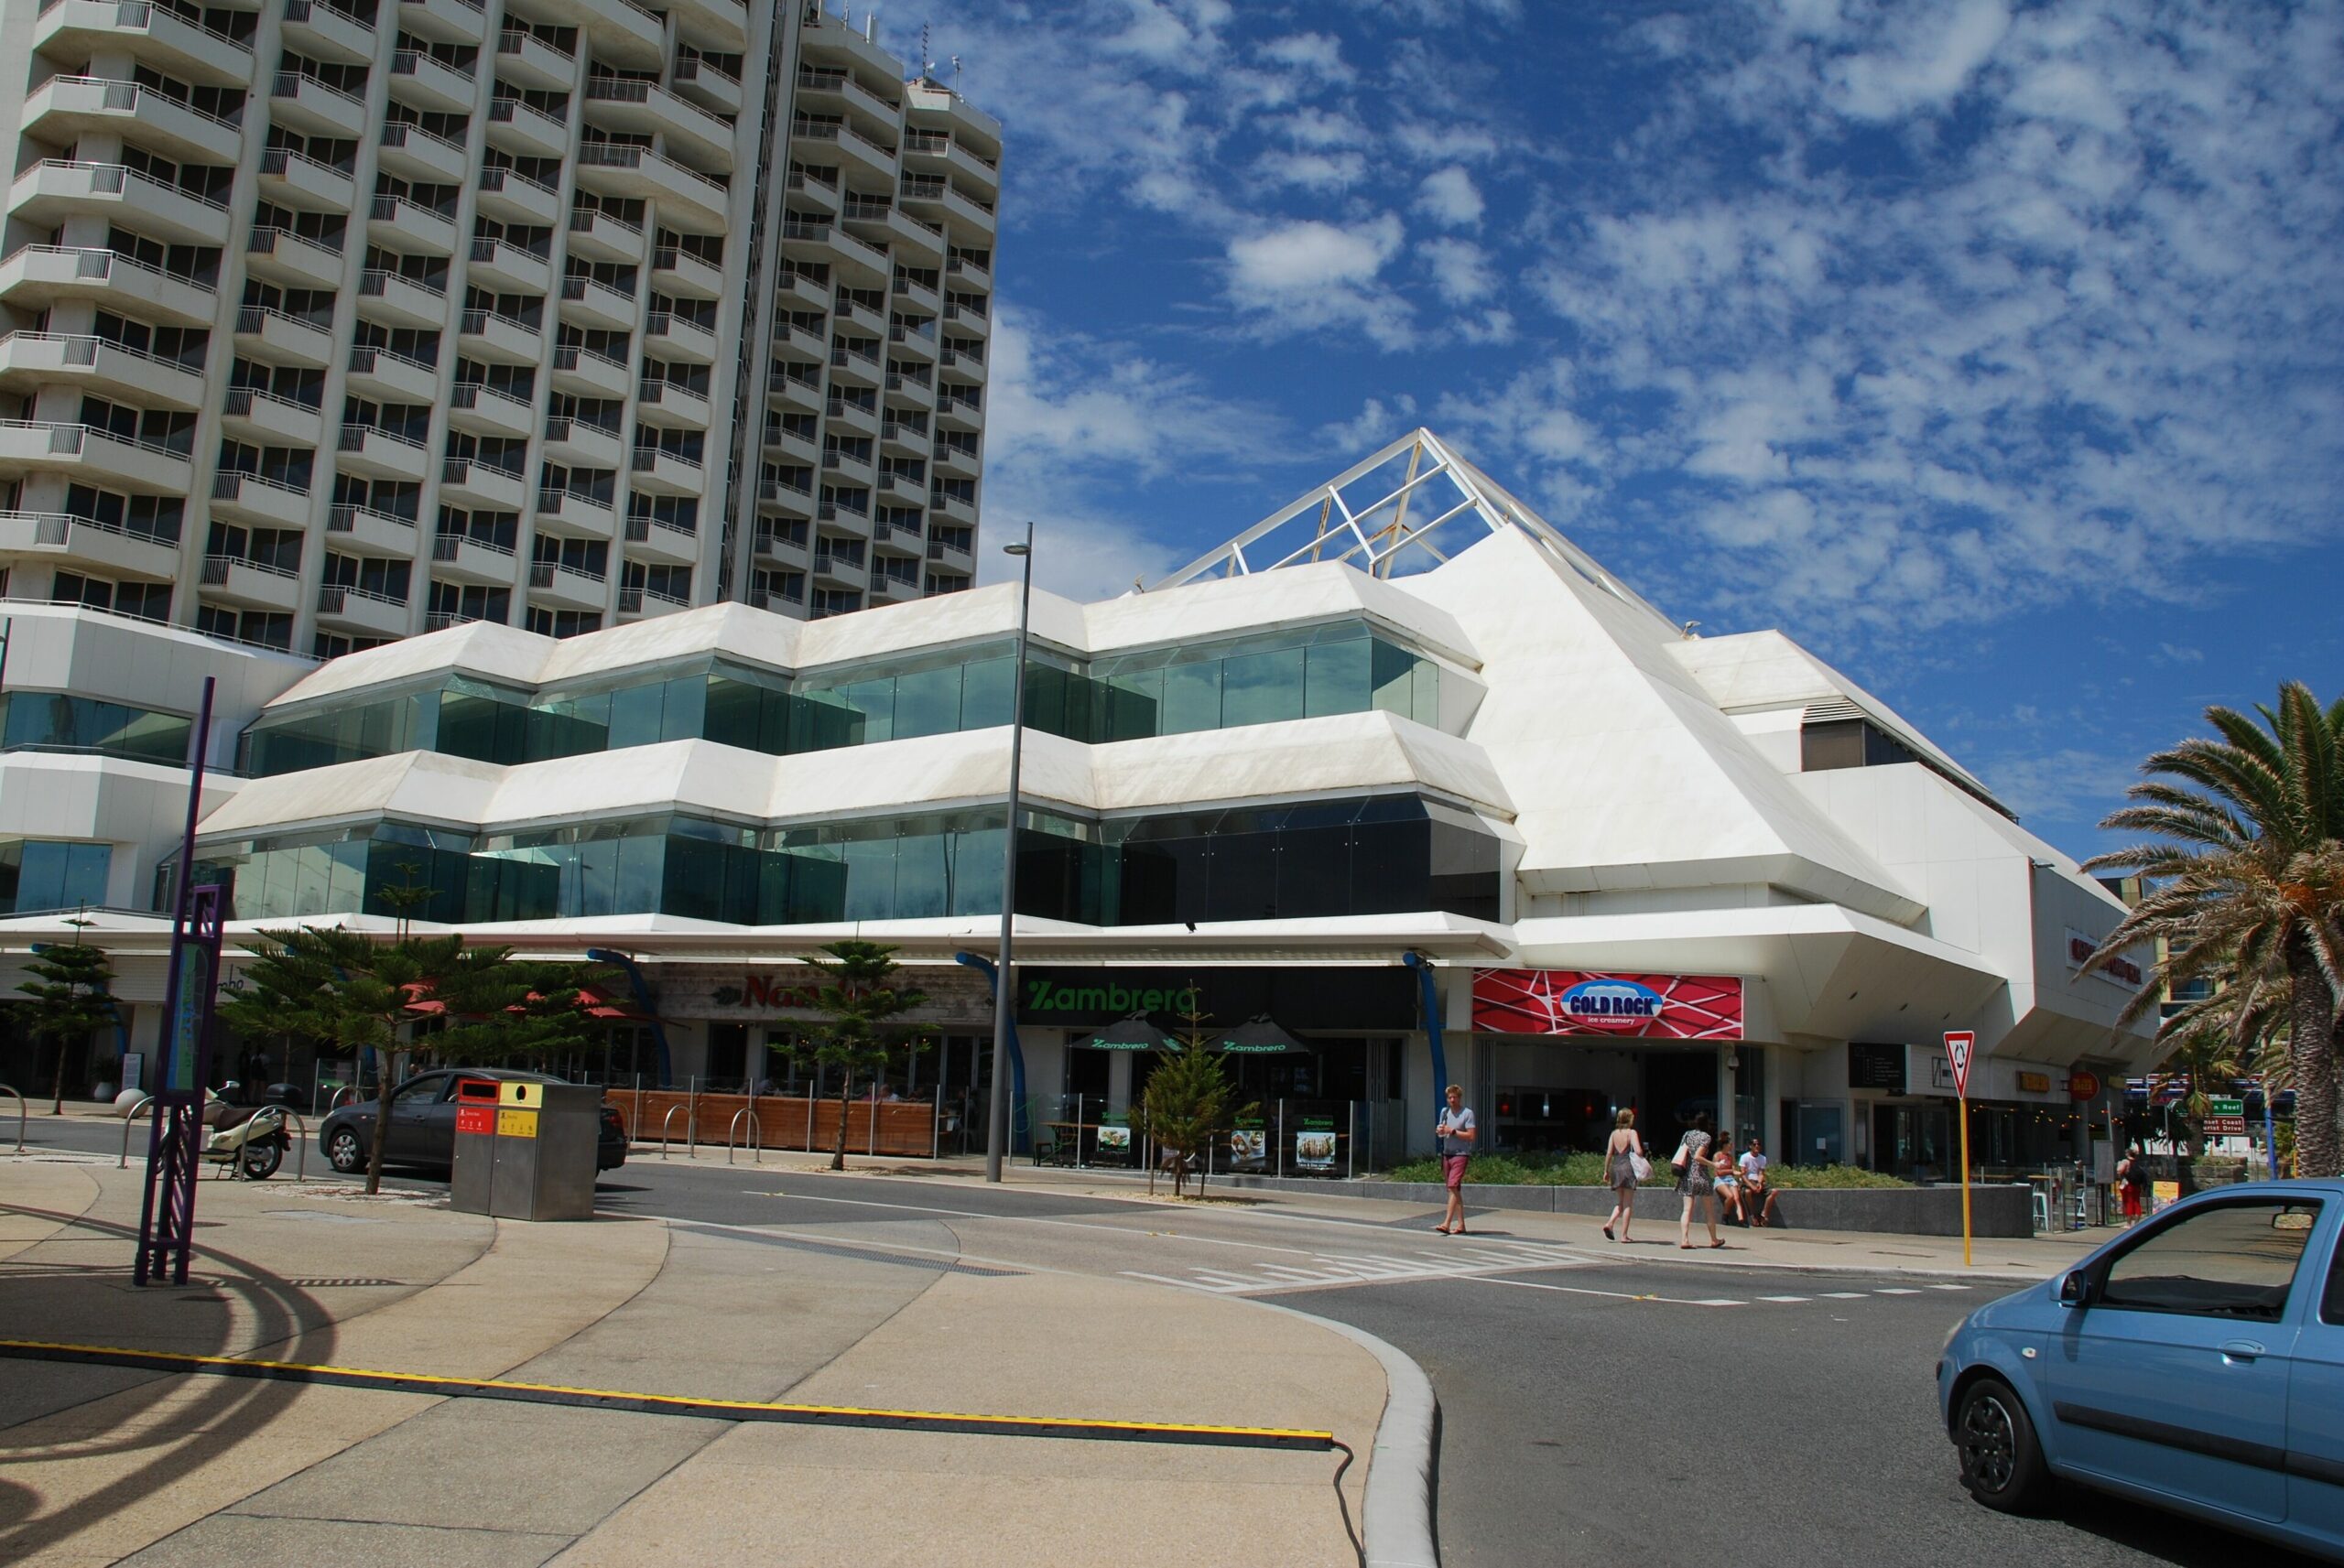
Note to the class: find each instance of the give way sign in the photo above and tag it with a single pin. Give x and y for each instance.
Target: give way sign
(1959, 1045)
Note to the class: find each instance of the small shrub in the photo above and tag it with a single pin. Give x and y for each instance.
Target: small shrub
(1580, 1169)
(1789, 1176)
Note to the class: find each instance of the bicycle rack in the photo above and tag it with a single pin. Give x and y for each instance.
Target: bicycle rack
(300, 1144)
(129, 1122)
(5, 1090)
(757, 1140)
(668, 1125)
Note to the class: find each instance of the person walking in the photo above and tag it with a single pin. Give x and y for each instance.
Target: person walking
(1622, 1155)
(1454, 1131)
(1696, 1181)
(2133, 1184)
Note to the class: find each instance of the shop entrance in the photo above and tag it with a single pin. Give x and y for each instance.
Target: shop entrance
(1915, 1142)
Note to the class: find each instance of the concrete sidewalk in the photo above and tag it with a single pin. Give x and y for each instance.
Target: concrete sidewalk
(104, 1465)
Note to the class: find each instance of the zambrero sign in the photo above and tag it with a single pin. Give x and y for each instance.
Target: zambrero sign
(1579, 1002)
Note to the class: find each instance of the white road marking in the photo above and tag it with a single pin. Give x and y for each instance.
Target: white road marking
(1843, 1295)
(1949, 1287)
(1783, 1298)
(1895, 1291)
(1365, 1268)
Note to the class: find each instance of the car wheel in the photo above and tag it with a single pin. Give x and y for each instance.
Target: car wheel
(2002, 1463)
(344, 1151)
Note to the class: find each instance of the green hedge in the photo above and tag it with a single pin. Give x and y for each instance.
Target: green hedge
(1585, 1169)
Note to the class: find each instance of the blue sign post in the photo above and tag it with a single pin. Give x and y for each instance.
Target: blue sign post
(183, 1054)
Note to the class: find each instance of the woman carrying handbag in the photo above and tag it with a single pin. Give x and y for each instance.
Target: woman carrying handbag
(1624, 1166)
(1696, 1181)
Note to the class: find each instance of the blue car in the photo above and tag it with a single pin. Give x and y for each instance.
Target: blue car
(2195, 1362)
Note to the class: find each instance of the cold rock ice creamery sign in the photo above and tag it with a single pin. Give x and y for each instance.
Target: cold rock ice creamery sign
(1575, 1001)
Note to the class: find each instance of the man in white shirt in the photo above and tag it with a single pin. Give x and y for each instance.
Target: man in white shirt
(1454, 1132)
(1757, 1193)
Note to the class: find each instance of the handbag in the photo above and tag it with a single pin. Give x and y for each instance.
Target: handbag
(1684, 1152)
(1641, 1167)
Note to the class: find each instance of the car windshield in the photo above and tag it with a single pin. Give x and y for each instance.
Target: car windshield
(2234, 1260)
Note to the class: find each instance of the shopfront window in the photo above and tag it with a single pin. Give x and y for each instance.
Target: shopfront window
(40, 875)
(55, 721)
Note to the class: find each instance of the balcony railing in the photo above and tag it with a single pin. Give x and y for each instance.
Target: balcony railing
(123, 97)
(603, 156)
(55, 529)
(408, 62)
(332, 596)
(68, 439)
(362, 360)
(513, 40)
(301, 10)
(216, 569)
(114, 178)
(343, 519)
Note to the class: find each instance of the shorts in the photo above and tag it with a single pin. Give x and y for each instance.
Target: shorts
(1452, 1170)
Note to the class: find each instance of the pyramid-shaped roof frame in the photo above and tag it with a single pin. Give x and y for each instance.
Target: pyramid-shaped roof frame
(1407, 508)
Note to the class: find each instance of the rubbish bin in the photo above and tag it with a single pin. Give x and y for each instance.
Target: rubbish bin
(472, 1164)
(544, 1150)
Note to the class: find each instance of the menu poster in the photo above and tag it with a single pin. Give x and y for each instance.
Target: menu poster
(1249, 1145)
(1314, 1148)
(1115, 1138)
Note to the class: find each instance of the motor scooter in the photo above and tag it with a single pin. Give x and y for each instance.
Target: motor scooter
(250, 1140)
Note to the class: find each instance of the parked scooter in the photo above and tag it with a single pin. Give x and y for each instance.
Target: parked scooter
(250, 1139)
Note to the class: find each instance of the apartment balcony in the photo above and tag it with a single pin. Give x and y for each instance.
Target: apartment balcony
(465, 482)
(946, 507)
(800, 445)
(504, 340)
(884, 226)
(826, 40)
(900, 439)
(381, 454)
(961, 270)
(302, 102)
(680, 339)
(660, 472)
(899, 489)
(507, 269)
(894, 588)
(959, 413)
(249, 585)
(718, 25)
(457, 558)
(680, 272)
(482, 410)
(326, 31)
(80, 542)
(598, 236)
(785, 544)
(705, 84)
(951, 556)
(940, 582)
(565, 588)
(392, 378)
(650, 540)
(964, 319)
(265, 421)
(292, 180)
(798, 339)
(284, 257)
(414, 153)
(513, 198)
(514, 127)
(643, 603)
(665, 404)
(362, 611)
(916, 295)
(54, 190)
(853, 468)
(964, 364)
(796, 288)
(936, 109)
(427, 82)
(362, 531)
(582, 445)
(93, 456)
(829, 89)
(644, 108)
(812, 198)
(858, 262)
(685, 200)
(248, 498)
(939, 154)
(83, 30)
(575, 514)
(281, 339)
(585, 373)
(402, 226)
(855, 155)
(30, 360)
(395, 300)
(444, 21)
(37, 277)
(590, 304)
(856, 368)
(64, 109)
(801, 394)
(622, 32)
(961, 462)
(840, 571)
(525, 59)
(808, 240)
(914, 341)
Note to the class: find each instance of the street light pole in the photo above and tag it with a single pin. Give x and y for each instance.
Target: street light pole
(997, 1102)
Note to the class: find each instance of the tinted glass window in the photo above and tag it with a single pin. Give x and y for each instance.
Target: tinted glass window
(2234, 1260)
(2331, 1306)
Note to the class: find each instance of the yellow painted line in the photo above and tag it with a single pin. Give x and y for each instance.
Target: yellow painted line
(672, 1405)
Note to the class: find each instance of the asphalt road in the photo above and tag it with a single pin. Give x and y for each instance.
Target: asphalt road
(1599, 1407)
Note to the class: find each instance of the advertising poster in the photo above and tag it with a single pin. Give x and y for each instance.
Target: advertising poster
(1314, 1146)
(1114, 1141)
(1248, 1146)
(1579, 1001)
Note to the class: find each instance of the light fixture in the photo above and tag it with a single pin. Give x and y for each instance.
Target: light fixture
(1004, 982)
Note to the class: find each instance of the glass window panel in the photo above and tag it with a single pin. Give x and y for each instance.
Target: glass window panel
(1315, 870)
(875, 701)
(984, 691)
(643, 859)
(733, 713)
(1427, 693)
(927, 702)
(1338, 676)
(683, 714)
(1134, 698)
(1261, 688)
(1244, 872)
(635, 714)
(922, 865)
(1191, 697)
(1393, 672)
(870, 878)
(976, 870)
(818, 886)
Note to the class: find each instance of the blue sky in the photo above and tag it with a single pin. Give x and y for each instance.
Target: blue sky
(1990, 350)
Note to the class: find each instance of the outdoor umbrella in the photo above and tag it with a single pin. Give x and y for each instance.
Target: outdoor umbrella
(1259, 1036)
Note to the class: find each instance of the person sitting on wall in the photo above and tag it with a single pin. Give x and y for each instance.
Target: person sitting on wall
(1757, 1193)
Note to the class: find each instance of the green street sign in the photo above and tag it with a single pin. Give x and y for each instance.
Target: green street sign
(2225, 1106)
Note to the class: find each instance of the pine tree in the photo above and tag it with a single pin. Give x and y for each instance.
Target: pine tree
(861, 1004)
(68, 999)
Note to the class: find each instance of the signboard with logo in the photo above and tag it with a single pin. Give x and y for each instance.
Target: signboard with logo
(1579, 1001)
(1873, 1065)
(2035, 1083)
(2082, 1084)
(2225, 1118)
(1367, 997)
(2119, 968)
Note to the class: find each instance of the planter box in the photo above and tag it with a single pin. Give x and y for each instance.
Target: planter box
(1994, 1211)
(903, 1128)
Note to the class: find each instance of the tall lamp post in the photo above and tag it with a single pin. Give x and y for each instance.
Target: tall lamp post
(996, 1102)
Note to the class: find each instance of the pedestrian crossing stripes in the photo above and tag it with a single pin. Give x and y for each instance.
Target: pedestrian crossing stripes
(1324, 1268)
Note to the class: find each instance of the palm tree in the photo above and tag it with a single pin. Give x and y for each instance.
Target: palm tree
(2248, 887)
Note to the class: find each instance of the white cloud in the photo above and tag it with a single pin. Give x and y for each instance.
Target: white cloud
(1933, 59)
(1376, 424)
(1313, 171)
(1307, 274)
(1449, 198)
(1312, 54)
(1460, 270)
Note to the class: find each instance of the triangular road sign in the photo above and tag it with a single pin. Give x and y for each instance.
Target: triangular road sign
(1958, 1044)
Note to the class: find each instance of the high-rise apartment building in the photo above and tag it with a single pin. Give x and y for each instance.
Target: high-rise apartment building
(335, 322)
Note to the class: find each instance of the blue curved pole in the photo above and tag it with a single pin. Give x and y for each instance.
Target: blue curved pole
(1429, 994)
(642, 989)
(1019, 1131)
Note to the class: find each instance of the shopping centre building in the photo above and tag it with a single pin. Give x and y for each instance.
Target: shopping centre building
(1400, 785)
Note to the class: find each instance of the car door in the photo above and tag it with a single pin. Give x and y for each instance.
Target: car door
(2173, 1374)
(2315, 1412)
(411, 1106)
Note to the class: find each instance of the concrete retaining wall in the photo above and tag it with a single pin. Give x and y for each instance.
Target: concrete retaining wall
(1994, 1211)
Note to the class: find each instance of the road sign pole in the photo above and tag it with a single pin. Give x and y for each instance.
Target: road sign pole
(1961, 1046)
(1964, 1100)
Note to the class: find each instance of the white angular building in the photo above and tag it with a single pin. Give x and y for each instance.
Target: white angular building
(328, 323)
(1401, 756)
